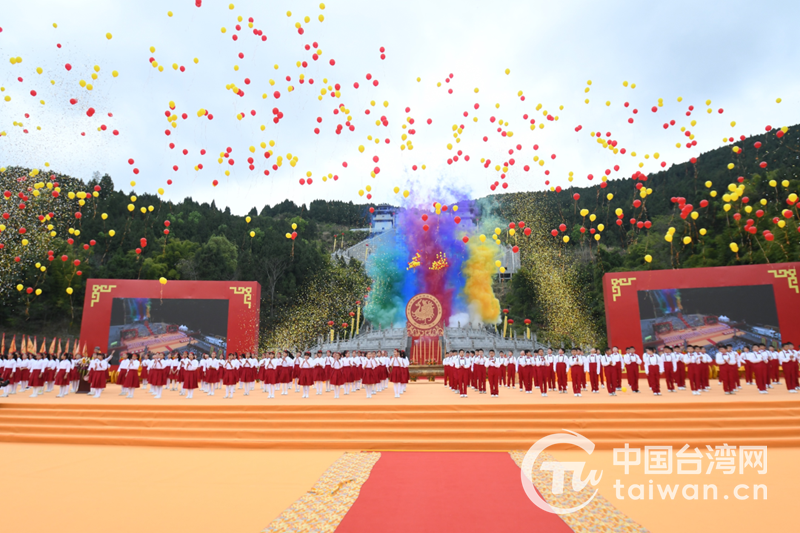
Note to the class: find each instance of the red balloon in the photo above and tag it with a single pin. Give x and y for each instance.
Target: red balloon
(521, 224)
(64, 257)
(703, 203)
(527, 231)
(515, 249)
(554, 233)
(166, 232)
(425, 227)
(77, 214)
(424, 217)
(576, 197)
(457, 220)
(465, 239)
(29, 290)
(167, 223)
(138, 250)
(562, 227)
(77, 262)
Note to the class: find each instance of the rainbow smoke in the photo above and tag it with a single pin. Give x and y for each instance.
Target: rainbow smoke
(464, 288)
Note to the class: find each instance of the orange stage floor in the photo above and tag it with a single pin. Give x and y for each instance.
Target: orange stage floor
(427, 417)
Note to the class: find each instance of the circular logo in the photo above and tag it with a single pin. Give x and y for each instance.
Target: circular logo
(424, 311)
(558, 469)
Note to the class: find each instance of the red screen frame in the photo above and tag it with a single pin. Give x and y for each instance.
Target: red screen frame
(620, 292)
(244, 306)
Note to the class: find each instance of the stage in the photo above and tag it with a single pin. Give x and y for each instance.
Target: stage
(427, 417)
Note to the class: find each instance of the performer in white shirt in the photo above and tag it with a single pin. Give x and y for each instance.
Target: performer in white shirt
(632, 362)
(131, 382)
(560, 368)
(788, 359)
(494, 369)
(122, 372)
(10, 374)
(336, 376)
(62, 376)
(670, 365)
(653, 367)
(609, 367)
(727, 364)
(575, 363)
(592, 366)
(230, 375)
(190, 366)
(37, 368)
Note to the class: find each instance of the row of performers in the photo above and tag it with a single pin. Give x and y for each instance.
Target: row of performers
(330, 372)
(548, 370)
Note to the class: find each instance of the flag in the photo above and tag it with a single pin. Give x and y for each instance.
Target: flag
(84, 350)
(32, 349)
(24, 344)
(53, 346)
(44, 344)
(59, 346)
(13, 347)
(3, 346)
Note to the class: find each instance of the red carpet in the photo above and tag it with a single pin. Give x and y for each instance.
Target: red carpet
(458, 492)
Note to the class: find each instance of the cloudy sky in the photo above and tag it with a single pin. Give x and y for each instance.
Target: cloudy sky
(738, 55)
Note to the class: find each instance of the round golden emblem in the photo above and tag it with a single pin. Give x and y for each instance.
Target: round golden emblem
(423, 311)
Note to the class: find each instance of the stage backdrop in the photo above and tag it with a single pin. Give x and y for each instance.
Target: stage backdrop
(702, 306)
(132, 315)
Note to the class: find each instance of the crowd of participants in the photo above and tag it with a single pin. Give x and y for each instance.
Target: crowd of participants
(281, 372)
(351, 371)
(693, 365)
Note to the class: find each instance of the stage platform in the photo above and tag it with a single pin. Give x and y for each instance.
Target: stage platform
(427, 417)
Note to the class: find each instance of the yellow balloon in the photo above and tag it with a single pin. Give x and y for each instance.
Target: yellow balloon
(406, 194)
(111, 233)
(592, 217)
(497, 263)
(247, 219)
(512, 232)
(601, 227)
(294, 226)
(497, 231)
(252, 233)
(396, 190)
(734, 247)
(38, 292)
(609, 196)
(584, 212)
(160, 190)
(69, 290)
(703, 231)
(20, 287)
(361, 148)
(502, 270)
(288, 235)
(162, 281)
(482, 238)
(648, 258)
(687, 240)
(668, 237)
(597, 236)
(104, 216)
(566, 238)
(108, 36)
(131, 207)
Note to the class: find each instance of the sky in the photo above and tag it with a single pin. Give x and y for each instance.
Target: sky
(737, 55)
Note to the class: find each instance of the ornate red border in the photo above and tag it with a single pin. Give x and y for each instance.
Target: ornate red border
(244, 303)
(622, 303)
